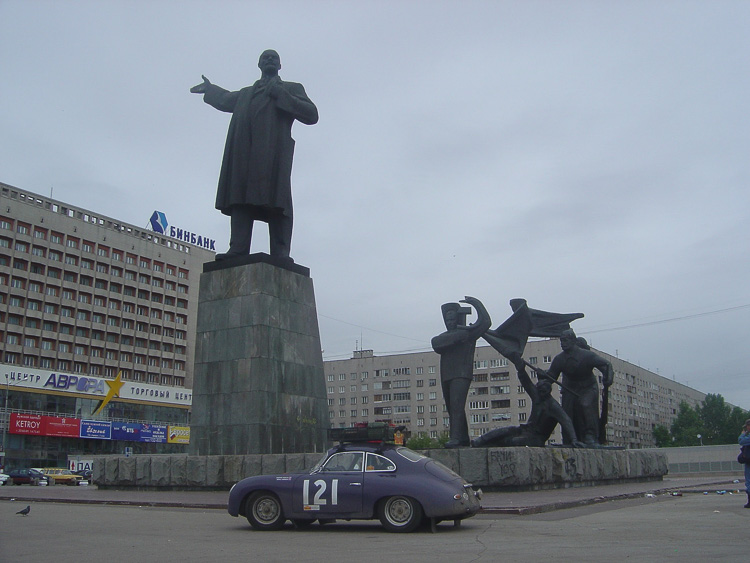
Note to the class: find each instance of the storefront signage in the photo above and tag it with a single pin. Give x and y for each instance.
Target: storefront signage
(160, 225)
(95, 387)
(179, 435)
(62, 427)
(154, 433)
(65, 427)
(126, 431)
(30, 424)
(98, 429)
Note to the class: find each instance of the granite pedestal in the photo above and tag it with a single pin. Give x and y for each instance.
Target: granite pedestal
(258, 380)
(493, 469)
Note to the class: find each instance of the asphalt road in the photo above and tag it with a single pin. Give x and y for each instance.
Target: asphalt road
(692, 527)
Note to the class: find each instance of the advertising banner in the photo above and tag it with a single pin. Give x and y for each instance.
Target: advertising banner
(62, 427)
(96, 387)
(25, 424)
(97, 429)
(179, 435)
(126, 431)
(154, 433)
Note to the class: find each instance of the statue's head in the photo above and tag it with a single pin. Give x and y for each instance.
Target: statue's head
(454, 315)
(544, 388)
(269, 62)
(567, 339)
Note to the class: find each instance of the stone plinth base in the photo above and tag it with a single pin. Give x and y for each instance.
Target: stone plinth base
(491, 468)
(547, 468)
(258, 380)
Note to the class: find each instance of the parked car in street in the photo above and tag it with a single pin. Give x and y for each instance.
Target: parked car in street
(358, 479)
(4, 478)
(85, 473)
(57, 475)
(27, 477)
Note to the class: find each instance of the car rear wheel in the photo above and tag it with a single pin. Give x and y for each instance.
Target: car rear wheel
(263, 511)
(400, 514)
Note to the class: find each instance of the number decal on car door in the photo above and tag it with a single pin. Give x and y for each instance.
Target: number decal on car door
(321, 488)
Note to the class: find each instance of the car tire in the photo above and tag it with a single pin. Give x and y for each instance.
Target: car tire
(400, 514)
(263, 511)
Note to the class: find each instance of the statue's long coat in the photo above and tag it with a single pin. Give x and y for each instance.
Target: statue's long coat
(257, 165)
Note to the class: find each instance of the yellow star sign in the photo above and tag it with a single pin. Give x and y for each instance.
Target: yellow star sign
(114, 391)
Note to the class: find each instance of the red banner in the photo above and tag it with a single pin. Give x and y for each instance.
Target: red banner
(63, 427)
(25, 424)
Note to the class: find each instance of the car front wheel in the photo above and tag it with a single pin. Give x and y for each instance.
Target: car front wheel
(263, 511)
(400, 514)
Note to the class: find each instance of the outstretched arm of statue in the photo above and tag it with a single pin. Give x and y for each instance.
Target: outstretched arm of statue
(483, 322)
(202, 87)
(216, 96)
(525, 380)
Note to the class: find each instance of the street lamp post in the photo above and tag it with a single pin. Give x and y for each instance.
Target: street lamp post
(700, 438)
(7, 419)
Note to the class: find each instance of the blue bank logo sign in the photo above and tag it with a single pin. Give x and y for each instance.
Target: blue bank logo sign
(160, 225)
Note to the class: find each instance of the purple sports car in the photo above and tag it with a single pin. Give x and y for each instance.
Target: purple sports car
(362, 481)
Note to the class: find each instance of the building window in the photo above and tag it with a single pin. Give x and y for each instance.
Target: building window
(473, 405)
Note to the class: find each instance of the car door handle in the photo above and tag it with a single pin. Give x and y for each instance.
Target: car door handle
(355, 484)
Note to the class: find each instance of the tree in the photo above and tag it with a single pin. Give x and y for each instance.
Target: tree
(423, 442)
(714, 416)
(662, 437)
(735, 424)
(715, 421)
(686, 426)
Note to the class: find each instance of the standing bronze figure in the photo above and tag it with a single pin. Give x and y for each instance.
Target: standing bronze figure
(580, 396)
(255, 180)
(456, 348)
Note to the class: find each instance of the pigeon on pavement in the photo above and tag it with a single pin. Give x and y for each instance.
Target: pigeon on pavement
(25, 511)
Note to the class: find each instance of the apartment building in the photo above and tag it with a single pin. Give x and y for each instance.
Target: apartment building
(93, 308)
(404, 389)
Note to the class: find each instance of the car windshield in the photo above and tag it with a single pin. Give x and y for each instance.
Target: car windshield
(317, 466)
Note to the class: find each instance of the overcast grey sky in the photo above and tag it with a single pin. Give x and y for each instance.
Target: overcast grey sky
(587, 156)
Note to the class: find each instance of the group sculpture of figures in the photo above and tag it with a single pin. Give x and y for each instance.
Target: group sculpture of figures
(583, 425)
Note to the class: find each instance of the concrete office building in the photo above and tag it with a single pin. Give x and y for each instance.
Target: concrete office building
(404, 389)
(92, 309)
